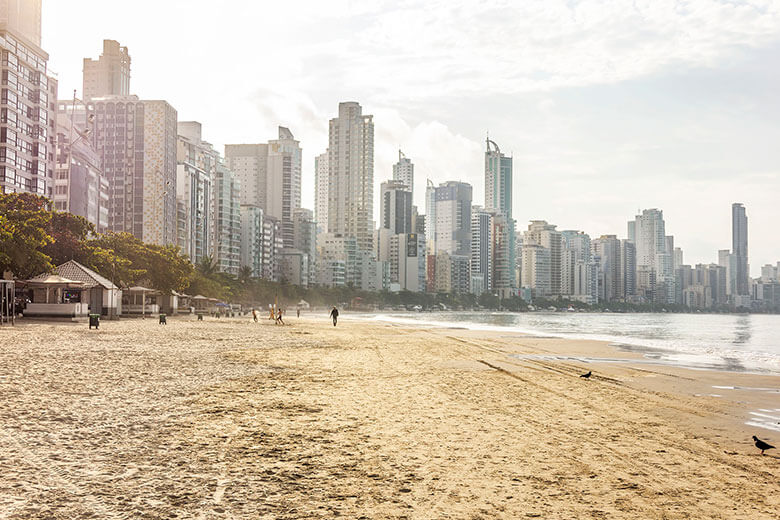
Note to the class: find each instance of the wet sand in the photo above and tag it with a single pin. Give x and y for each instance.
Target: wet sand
(231, 419)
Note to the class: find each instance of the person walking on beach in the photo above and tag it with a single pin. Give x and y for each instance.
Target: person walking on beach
(254, 315)
(279, 317)
(335, 315)
(298, 310)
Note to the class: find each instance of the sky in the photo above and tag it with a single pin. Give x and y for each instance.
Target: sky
(606, 106)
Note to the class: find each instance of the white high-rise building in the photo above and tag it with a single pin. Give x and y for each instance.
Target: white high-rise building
(739, 247)
(321, 183)
(403, 171)
(109, 75)
(544, 234)
(654, 264)
(481, 255)
(351, 175)
(449, 217)
(536, 269)
(29, 98)
(196, 172)
(270, 177)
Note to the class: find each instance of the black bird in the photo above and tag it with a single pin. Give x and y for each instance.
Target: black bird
(587, 376)
(761, 445)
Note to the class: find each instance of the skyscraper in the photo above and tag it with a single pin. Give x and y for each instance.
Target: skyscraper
(29, 98)
(396, 207)
(544, 234)
(321, 181)
(498, 180)
(270, 178)
(136, 140)
(351, 174)
(403, 171)
(739, 246)
(654, 264)
(480, 250)
(450, 216)
(196, 163)
(109, 75)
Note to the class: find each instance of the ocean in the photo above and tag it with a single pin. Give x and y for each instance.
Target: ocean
(749, 342)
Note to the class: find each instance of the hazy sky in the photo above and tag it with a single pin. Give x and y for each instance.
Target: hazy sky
(606, 106)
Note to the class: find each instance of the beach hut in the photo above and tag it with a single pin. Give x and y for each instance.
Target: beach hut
(170, 303)
(140, 300)
(100, 293)
(200, 303)
(55, 296)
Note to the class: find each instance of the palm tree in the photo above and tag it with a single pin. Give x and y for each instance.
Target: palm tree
(244, 274)
(207, 266)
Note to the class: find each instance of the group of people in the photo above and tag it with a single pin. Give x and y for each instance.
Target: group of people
(277, 315)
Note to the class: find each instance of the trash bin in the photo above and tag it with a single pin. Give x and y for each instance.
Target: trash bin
(162, 320)
(94, 321)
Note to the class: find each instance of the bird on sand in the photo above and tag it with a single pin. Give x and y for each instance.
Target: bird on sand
(761, 445)
(587, 376)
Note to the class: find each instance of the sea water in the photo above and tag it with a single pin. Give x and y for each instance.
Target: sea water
(739, 342)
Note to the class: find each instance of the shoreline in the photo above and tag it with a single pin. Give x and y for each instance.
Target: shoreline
(227, 418)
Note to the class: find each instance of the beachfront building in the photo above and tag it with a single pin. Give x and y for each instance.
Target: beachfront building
(654, 264)
(321, 182)
(109, 75)
(739, 248)
(251, 254)
(579, 273)
(481, 253)
(196, 164)
(536, 269)
(406, 262)
(305, 238)
(606, 252)
(351, 175)
(448, 217)
(541, 233)
(396, 207)
(337, 260)
(226, 250)
(29, 95)
(136, 140)
(80, 187)
(270, 177)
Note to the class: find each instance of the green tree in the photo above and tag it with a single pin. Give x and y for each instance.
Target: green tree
(25, 224)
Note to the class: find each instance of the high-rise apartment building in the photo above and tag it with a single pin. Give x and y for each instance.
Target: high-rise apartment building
(270, 177)
(321, 182)
(536, 269)
(481, 253)
(579, 274)
(396, 207)
(227, 222)
(351, 174)
(606, 252)
(27, 103)
(403, 171)
(80, 187)
(109, 75)
(251, 251)
(449, 215)
(544, 234)
(654, 264)
(196, 171)
(739, 247)
(498, 180)
(136, 140)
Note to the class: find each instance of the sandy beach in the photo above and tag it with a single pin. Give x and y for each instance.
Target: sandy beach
(231, 419)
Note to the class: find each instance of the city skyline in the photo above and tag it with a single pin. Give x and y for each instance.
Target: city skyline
(697, 110)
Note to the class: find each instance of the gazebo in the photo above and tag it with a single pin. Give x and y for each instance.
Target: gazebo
(55, 296)
(140, 300)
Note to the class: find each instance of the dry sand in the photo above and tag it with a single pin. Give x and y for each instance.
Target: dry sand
(230, 419)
